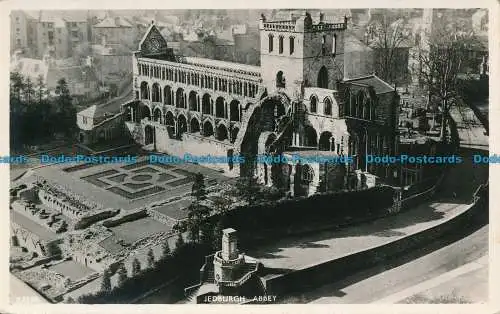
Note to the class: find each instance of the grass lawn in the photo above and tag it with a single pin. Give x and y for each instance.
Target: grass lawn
(72, 269)
(138, 229)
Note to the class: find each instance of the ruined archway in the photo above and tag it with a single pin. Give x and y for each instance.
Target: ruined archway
(208, 129)
(219, 107)
(157, 115)
(323, 77)
(195, 125)
(272, 109)
(169, 119)
(145, 112)
(222, 134)
(181, 125)
(325, 141)
(310, 137)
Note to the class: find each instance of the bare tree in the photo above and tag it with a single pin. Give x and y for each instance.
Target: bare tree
(440, 62)
(390, 37)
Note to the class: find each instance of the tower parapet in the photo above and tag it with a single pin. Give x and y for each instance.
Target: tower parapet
(301, 25)
(301, 51)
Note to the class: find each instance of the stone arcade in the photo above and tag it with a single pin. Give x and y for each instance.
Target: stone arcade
(296, 102)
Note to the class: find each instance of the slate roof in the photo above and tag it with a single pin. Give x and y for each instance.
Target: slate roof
(380, 86)
(222, 64)
(114, 22)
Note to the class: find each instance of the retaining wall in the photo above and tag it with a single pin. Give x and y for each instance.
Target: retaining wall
(338, 268)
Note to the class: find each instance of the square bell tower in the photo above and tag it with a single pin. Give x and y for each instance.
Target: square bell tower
(301, 52)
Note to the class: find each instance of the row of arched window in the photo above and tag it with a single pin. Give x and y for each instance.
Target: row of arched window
(238, 87)
(360, 106)
(327, 105)
(281, 44)
(191, 101)
(221, 132)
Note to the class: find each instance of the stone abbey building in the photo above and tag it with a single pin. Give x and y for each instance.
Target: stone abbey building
(297, 103)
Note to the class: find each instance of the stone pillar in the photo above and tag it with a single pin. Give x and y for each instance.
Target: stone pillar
(269, 176)
(229, 244)
(292, 180)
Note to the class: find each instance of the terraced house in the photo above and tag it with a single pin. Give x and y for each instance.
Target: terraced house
(297, 103)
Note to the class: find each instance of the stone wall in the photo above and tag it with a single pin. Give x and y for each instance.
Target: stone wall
(195, 145)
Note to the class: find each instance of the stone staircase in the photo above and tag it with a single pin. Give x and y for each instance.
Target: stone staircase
(210, 276)
(244, 121)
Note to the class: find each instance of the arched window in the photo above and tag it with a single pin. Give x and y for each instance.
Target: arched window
(292, 45)
(323, 77)
(314, 104)
(280, 41)
(271, 40)
(280, 79)
(361, 107)
(327, 107)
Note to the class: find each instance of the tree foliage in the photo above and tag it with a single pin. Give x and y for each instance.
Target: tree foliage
(106, 281)
(151, 258)
(166, 252)
(122, 274)
(248, 189)
(35, 116)
(197, 212)
(136, 267)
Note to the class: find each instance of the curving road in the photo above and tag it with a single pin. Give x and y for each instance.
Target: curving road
(376, 284)
(453, 267)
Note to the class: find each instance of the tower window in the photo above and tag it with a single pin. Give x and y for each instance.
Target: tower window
(292, 44)
(271, 40)
(281, 44)
(323, 45)
(334, 46)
